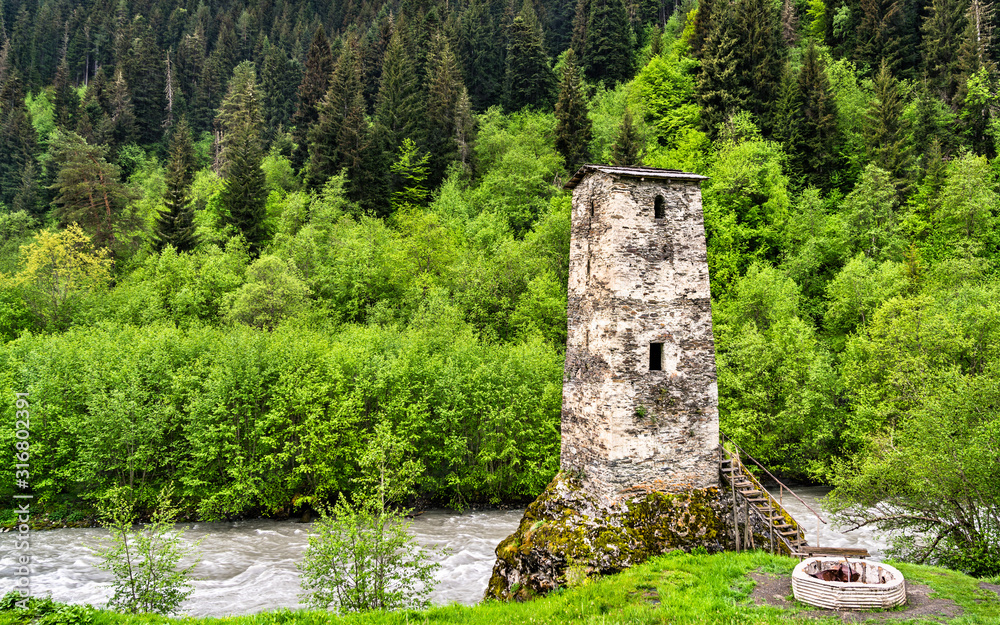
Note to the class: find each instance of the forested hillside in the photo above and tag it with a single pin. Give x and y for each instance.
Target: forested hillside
(235, 236)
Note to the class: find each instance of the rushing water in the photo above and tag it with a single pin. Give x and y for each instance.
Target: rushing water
(249, 566)
(829, 534)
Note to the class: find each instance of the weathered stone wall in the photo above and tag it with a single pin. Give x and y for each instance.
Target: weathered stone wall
(636, 280)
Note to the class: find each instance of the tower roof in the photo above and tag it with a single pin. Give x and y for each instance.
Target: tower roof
(632, 172)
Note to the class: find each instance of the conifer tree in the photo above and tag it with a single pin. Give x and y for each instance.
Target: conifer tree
(703, 25)
(528, 81)
(482, 55)
(326, 157)
(88, 188)
(573, 126)
(245, 192)
(175, 224)
(399, 111)
(881, 34)
(607, 51)
(885, 134)
(146, 72)
(580, 21)
(761, 61)
(375, 44)
(66, 101)
(627, 148)
(443, 93)
(815, 147)
(117, 127)
(17, 138)
(315, 82)
(740, 63)
(279, 78)
(942, 30)
(719, 88)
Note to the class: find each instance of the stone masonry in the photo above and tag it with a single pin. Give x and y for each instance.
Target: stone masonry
(639, 298)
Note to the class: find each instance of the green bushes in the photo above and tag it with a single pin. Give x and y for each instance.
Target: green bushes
(246, 420)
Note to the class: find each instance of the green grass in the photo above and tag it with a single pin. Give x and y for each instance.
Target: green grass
(675, 588)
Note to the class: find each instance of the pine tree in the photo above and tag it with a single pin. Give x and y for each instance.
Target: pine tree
(627, 148)
(881, 34)
(607, 51)
(117, 127)
(580, 21)
(88, 188)
(528, 81)
(376, 43)
(885, 134)
(573, 126)
(789, 23)
(175, 224)
(315, 82)
(245, 191)
(443, 93)
(943, 30)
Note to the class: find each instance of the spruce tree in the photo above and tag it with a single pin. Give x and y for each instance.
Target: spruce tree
(885, 134)
(315, 82)
(17, 138)
(942, 30)
(607, 51)
(573, 126)
(146, 71)
(720, 88)
(245, 192)
(66, 102)
(325, 154)
(528, 81)
(815, 145)
(279, 78)
(703, 25)
(399, 111)
(443, 93)
(482, 54)
(761, 62)
(627, 148)
(881, 34)
(175, 224)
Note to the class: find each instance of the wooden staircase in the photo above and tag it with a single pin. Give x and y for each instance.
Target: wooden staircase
(785, 535)
(752, 499)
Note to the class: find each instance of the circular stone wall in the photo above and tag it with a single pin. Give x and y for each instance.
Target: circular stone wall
(877, 585)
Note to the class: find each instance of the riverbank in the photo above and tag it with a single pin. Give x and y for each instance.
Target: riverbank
(676, 588)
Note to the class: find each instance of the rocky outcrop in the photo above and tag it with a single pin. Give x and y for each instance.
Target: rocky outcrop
(569, 534)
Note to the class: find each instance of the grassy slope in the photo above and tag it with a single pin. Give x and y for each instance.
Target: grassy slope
(690, 589)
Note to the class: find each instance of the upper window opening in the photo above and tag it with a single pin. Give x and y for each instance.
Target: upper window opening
(658, 211)
(655, 356)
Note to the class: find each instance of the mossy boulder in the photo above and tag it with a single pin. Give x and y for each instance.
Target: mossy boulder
(568, 535)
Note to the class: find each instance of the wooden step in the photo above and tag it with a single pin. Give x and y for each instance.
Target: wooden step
(790, 533)
(747, 493)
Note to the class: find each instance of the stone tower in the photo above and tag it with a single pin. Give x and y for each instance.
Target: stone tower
(640, 401)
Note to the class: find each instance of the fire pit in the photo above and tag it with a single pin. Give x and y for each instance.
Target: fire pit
(848, 584)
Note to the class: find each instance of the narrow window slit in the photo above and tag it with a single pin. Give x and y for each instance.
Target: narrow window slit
(656, 356)
(658, 210)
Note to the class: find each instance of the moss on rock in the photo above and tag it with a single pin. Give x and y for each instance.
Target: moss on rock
(566, 526)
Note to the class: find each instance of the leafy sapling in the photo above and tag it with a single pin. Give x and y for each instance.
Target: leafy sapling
(361, 555)
(146, 562)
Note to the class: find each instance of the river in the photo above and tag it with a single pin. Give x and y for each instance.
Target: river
(249, 566)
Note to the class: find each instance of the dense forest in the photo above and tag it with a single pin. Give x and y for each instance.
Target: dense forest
(237, 236)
